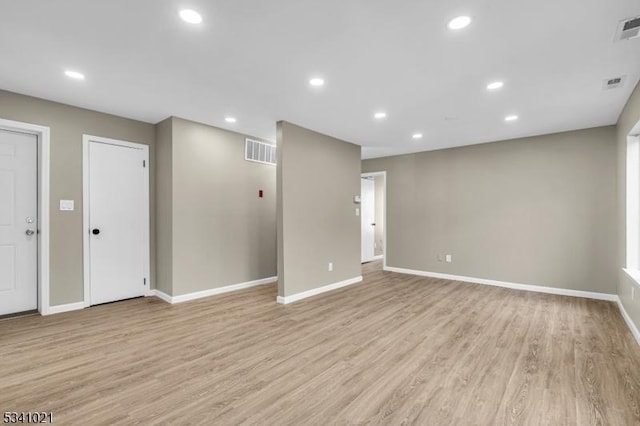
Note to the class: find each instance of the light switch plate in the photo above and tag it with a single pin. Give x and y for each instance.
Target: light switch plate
(66, 205)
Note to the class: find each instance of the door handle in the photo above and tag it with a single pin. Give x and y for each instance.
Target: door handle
(95, 231)
(373, 224)
(29, 232)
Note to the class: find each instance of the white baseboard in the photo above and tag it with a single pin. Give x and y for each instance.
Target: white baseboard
(378, 257)
(64, 308)
(629, 321)
(212, 292)
(515, 286)
(316, 291)
(159, 294)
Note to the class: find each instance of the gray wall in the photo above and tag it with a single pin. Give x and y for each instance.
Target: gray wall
(629, 117)
(318, 177)
(164, 206)
(538, 211)
(67, 125)
(215, 230)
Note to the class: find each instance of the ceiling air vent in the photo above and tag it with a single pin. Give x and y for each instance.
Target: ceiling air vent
(628, 29)
(614, 83)
(260, 152)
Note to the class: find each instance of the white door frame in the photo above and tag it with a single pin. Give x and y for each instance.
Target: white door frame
(86, 139)
(384, 221)
(42, 134)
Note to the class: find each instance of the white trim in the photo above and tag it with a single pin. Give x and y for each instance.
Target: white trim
(160, 294)
(66, 308)
(43, 135)
(384, 219)
(629, 321)
(299, 296)
(86, 140)
(632, 231)
(378, 257)
(514, 286)
(634, 276)
(211, 292)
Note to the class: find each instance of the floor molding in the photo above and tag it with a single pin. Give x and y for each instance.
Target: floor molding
(211, 292)
(65, 308)
(299, 296)
(629, 321)
(514, 286)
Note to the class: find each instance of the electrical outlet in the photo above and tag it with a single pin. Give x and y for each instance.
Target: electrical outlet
(448, 258)
(357, 211)
(330, 266)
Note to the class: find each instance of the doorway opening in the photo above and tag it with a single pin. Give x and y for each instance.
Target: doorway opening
(373, 215)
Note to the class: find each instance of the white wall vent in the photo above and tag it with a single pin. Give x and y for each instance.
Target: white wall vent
(260, 152)
(628, 29)
(613, 83)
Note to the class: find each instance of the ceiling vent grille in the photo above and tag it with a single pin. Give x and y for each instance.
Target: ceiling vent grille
(260, 152)
(613, 83)
(628, 29)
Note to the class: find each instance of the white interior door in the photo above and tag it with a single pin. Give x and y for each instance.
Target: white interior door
(118, 221)
(18, 222)
(367, 214)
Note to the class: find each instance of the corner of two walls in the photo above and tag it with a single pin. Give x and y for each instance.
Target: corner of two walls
(318, 177)
(538, 211)
(213, 230)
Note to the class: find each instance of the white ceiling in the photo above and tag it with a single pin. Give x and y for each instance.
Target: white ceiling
(253, 58)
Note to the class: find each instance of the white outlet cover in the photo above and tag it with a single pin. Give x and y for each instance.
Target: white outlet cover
(448, 258)
(66, 205)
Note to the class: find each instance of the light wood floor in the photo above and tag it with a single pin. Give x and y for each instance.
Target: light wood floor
(395, 349)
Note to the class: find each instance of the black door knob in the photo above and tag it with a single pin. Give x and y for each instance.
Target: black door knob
(95, 231)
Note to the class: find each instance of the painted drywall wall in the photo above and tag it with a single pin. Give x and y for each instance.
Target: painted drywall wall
(538, 211)
(318, 176)
(628, 119)
(216, 231)
(164, 206)
(67, 125)
(379, 215)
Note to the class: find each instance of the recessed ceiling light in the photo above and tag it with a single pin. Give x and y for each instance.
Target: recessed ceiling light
(459, 23)
(316, 82)
(511, 118)
(380, 115)
(495, 85)
(74, 74)
(190, 16)
(417, 136)
(230, 119)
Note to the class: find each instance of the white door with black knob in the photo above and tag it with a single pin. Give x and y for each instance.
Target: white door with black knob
(18, 222)
(116, 220)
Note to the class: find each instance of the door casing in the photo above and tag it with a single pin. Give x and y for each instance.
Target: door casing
(42, 134)
(382, 173)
